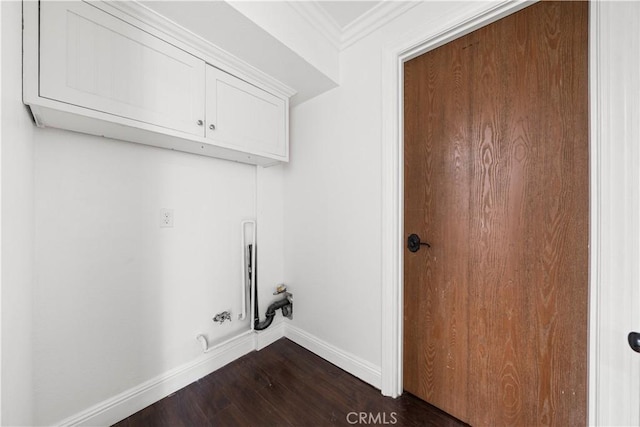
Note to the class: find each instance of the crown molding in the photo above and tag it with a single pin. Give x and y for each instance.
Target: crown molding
(379, 15)
(376, 17)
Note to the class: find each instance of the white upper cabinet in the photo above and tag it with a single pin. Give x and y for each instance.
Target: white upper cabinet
(241, 114)
(94, 67)
(92, 59)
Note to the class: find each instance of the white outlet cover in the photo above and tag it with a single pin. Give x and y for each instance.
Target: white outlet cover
(166, 217)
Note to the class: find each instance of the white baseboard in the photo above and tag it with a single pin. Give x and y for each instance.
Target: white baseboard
(354, 365)
(269, 336)
(133, 400)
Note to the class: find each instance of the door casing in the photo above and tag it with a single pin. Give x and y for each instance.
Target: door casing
(605, 161)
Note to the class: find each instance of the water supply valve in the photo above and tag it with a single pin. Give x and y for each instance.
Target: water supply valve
(221, 317)
(287, 310)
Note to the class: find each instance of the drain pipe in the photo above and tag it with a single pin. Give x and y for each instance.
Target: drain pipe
(286, 304)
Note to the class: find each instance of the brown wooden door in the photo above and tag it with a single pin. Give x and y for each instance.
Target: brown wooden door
(497, 182)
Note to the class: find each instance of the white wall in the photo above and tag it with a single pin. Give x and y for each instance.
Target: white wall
(17, 229)
(333, 195)
(270, 232)
(96, 297)
(118, 299)
(332, 211)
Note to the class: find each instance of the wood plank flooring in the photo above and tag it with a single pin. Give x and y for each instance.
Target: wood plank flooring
(285, 385)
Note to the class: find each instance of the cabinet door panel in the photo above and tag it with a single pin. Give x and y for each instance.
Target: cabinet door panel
(244, 116)
(95, 60)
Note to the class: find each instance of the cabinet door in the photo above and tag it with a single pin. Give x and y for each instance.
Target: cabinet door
(95, 60)
(243, 116)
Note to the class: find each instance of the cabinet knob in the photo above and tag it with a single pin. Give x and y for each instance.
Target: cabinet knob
(212, 126)
(200, 122)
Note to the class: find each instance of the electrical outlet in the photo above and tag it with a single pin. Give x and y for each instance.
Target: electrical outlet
(166, 217)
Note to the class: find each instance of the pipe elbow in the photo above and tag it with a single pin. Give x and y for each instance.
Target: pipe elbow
(271, 313)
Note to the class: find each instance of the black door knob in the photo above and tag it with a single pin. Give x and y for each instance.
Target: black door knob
(634, 341)
(414, 243)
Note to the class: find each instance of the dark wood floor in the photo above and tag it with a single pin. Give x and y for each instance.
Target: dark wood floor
(285, 385)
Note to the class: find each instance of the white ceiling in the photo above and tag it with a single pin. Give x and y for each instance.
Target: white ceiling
(345, 12)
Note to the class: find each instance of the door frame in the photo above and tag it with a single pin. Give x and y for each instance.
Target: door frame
(614, 247)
